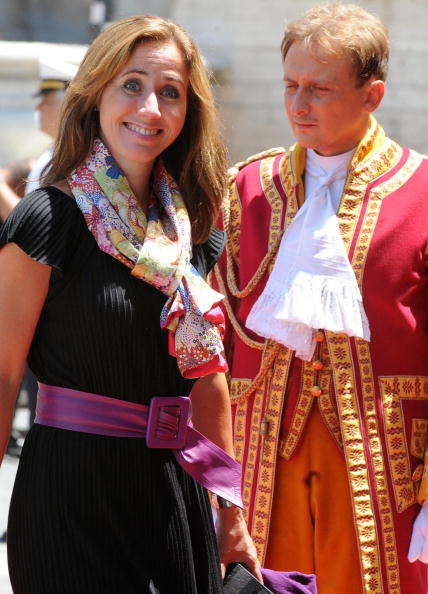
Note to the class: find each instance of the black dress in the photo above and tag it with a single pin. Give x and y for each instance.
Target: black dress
(93, 514)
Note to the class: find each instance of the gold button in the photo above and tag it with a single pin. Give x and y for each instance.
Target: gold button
(316, 391)
(319, 336)
(318, 365)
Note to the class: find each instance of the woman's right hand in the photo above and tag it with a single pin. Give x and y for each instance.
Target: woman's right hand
(234, 541)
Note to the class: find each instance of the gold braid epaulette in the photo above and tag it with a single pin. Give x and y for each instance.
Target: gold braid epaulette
(269, 347)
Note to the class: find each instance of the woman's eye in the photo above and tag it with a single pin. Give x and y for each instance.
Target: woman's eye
(132, 85)
(170, 92)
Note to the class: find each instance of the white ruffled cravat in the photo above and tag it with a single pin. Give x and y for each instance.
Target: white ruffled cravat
(312, 285)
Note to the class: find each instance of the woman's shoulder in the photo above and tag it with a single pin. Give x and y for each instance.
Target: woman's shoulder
(49, 203)
(44, 224)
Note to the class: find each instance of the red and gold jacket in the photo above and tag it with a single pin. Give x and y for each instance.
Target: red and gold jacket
(373, 396)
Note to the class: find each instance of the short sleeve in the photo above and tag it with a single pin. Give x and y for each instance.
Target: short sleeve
(205, 255)
(45, 224)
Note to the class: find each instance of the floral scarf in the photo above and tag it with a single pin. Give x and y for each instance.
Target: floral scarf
(157, 249)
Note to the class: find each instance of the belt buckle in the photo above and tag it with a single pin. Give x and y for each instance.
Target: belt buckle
(182, 403)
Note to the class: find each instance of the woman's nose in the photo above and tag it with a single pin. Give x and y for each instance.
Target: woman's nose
(150, 105)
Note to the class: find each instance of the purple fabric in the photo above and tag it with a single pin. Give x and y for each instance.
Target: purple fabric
(73, 410)
(289, 582)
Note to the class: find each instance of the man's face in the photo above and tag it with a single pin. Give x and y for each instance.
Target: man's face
(327, 111)
(49, 109)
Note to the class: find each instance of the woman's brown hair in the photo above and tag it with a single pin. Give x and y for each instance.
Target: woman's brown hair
(197, 158)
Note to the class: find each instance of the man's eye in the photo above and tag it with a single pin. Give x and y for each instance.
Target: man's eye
(170, 92)
(132, 85)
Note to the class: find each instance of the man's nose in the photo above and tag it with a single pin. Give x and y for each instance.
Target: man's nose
(300, 102)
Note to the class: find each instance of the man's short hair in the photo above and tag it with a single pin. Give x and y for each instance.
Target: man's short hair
(343, 30)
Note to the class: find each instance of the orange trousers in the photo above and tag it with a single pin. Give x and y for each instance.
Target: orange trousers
(312, 529)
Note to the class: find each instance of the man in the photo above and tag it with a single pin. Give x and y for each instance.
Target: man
(55, 76)
(326, 295)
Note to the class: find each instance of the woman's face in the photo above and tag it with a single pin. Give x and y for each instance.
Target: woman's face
(142, 110)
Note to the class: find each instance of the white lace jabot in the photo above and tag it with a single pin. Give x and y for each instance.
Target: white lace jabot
(312, 285)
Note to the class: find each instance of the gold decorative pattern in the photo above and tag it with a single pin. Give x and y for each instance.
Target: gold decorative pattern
(419, 438)
(232, 210)
(275, 201)
(349, 213)
(288, 444)
(232, 221)
(250, 342)
(327, 405)
(289, 184)
(249, 469)
(376, 196)
(266, 474)
(395, 389)
(355, 189)
(379, 466)
(269, 353)
(356, 459)
(371, 215)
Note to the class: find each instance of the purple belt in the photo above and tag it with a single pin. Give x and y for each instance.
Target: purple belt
(164, 423)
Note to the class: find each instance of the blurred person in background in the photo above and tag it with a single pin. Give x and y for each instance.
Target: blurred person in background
(114, 249)
(55, 75)
(13, 180)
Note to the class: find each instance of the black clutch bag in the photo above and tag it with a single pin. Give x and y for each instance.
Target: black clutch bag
(239, 580)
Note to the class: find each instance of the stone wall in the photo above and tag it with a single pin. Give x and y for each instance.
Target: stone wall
(241, 43)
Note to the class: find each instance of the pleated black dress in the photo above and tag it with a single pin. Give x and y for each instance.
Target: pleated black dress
(93, 514)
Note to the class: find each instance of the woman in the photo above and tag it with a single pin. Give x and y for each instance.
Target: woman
(92, 265)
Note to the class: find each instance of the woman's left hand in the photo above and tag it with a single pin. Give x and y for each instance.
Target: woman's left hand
(234, 542)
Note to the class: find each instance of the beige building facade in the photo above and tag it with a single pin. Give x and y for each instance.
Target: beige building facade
(240, 41)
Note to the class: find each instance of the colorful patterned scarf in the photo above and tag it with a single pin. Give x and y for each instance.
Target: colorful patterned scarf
(158, 251)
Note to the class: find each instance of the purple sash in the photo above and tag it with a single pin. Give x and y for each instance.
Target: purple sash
(164, 424)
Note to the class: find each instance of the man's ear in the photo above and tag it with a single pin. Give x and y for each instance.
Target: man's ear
(374, 95)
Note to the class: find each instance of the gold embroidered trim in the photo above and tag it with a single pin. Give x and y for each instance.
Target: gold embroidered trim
(327, 404)
(379, 465)
(355, 189)
(271, 193)
(372, 169)
(236, 387)
(419, 438)
(395, 389)
(288, 444)
(355, 455)
(275, 202)
(249, 468)
(270, 351)
(275, 387)
(231, 213)
(254, 344)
